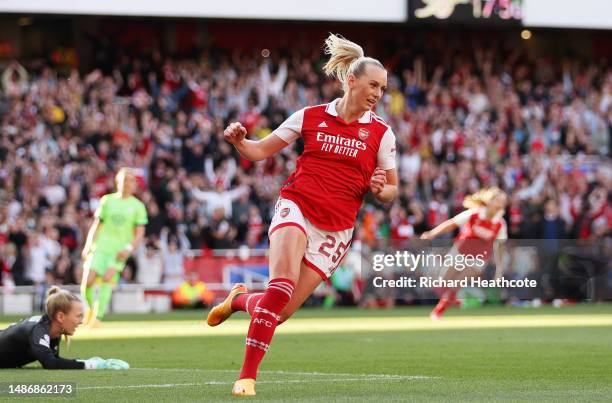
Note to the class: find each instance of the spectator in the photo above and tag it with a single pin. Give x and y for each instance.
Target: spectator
(486, 119)
(173, 250)
(220, 198)
(149, 264)
(192, 293)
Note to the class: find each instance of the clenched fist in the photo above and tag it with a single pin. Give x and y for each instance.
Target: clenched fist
(378, 181)
(234, 133)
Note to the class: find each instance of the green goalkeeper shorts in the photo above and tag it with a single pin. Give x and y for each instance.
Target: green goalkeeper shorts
(101, 262)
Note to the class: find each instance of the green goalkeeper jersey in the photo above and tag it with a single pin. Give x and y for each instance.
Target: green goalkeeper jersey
(119, 217)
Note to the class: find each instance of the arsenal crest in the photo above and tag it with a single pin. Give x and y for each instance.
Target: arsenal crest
(284, 212)
(363, 134)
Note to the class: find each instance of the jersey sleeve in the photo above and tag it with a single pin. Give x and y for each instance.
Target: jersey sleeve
(463, 217)
(141, 214)
(102, 209)
(291, 129)
(386, 151)
(40, 347)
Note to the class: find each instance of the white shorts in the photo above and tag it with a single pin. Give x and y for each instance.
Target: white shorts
(325, 250)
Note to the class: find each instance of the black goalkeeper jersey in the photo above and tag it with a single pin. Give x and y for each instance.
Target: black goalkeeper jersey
(28, 341)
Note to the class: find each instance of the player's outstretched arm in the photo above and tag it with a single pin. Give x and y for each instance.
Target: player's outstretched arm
(47, 357)
(446, 226)
(254, 150)
(39, 347)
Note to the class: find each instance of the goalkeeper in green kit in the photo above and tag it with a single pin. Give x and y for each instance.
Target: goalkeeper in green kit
(117, 230)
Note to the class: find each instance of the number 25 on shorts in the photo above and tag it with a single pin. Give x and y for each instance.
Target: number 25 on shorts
(329, 244)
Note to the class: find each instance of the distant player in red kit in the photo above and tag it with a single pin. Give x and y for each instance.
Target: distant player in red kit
(479, 227)
(348, 151)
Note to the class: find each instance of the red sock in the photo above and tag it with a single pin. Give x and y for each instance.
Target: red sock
(264, 319)
(440, 307)
(452, 297)
(246, 302)
(448, 298)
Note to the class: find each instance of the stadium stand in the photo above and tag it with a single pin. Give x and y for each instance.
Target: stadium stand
(538, 127)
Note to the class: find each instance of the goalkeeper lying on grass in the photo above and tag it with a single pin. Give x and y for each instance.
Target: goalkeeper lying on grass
(38, 338)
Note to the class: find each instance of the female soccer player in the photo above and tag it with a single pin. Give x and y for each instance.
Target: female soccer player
(38, 338)
(479, 226)
(117, 230)
(348, 151)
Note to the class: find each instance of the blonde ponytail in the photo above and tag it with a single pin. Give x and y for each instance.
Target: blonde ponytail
(482, 197)
(346, 58)
(59, 300)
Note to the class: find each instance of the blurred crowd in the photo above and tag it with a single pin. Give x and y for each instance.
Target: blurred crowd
(538, 128)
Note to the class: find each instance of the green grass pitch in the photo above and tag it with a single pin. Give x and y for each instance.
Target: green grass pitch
(484, 354)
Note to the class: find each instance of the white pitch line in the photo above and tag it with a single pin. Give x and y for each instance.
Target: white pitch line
(153, 385)
(341, 374)
(382, 376)
(172, 385)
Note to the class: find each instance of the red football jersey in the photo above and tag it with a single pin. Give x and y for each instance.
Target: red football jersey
(477, 232)
(333, 174)
(474, 224)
